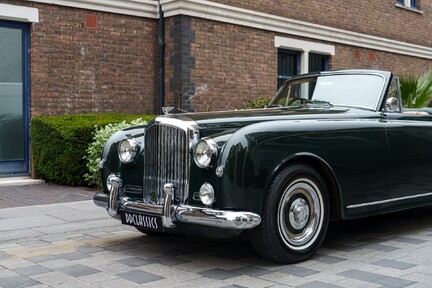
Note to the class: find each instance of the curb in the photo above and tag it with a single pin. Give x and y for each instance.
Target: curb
(19, 181)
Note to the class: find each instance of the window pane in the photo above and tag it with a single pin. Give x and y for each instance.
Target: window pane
(11, 95)
(288, 65)
(318, 62)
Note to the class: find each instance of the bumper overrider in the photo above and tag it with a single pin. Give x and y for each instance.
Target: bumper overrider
(170, 213)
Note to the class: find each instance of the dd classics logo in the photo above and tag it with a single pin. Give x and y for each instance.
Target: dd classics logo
(148, 222)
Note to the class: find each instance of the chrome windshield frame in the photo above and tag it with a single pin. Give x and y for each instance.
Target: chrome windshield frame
(305, 78)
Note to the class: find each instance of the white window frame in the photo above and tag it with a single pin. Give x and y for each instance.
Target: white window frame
(305, 47)
(19, 13)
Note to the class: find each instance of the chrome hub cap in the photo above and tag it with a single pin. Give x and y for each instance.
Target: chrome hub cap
(299, 213)
(300, 216)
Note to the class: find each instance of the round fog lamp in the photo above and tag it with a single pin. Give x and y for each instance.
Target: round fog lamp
(206, 194)
(127, 151)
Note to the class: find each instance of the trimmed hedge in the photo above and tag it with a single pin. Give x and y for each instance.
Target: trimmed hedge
(257, 103)
(59, 144)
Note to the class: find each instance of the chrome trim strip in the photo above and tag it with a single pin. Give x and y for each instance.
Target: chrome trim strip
(125, 203)
(388, 201)
(217, 218)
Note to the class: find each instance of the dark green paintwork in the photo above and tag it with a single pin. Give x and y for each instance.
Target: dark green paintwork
(370, 155)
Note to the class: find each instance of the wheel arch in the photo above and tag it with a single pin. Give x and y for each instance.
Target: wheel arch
(326, 172)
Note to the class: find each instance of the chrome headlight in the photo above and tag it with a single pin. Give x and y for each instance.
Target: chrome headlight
(205, 153)
(128, 151)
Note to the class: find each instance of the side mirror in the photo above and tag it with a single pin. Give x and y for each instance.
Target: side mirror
(392, 105)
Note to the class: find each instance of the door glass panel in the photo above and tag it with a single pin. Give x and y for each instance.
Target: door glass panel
(11, 95)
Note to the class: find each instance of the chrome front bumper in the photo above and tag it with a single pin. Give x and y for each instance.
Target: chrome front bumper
(175, 213)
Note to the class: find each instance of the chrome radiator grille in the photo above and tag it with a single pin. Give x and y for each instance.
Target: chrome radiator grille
(166, 160)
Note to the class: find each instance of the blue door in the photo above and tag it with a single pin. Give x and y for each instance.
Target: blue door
(14, 99)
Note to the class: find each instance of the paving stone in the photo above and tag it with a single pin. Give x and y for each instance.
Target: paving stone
(219, 274)
(22, 223)
(394, 264)
(315, 284)
(249, 281)
(78, 270)
(34, 243)
(327, 259)
(57, 279)
(5, 273)
(74, 256)
(14, 263)
(136, 261)
(170, 260)
(376, 278)
(234, 286)
(32, 270)
(297, 271)
(58, 263)
(203, 282)
(253, 271)
(18, 281)
(88, 249)
(41, 194)
(381, 247)
(114, 268)
(407, 240)
(12, 235)
(42, 258)
(139, 277)
(69, 227)
(116, 283)
(96, 278)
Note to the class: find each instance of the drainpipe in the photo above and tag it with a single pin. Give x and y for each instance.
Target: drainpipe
(161, 59)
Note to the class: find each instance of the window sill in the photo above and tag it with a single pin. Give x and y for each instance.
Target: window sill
(415, 10)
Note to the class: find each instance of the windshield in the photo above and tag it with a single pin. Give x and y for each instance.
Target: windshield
(346, 90)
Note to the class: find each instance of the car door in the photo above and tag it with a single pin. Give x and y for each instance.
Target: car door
(409, 136)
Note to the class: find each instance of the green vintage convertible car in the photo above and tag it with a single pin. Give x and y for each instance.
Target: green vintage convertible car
(330, 145)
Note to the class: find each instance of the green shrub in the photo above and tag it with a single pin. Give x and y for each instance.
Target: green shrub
(257, 103)
(94, 150)
(59, 144)
(416, 91)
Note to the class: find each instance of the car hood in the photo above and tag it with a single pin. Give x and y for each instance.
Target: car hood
(215, 122)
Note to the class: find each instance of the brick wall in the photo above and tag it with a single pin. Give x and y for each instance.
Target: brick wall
(75, 69)
(209, 65)
(380, 18)
(348, 57)
(233, 64)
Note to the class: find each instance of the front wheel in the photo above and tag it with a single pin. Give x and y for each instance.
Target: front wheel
(295, 216)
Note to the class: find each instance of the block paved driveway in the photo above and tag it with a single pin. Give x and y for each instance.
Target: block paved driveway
(76, 244)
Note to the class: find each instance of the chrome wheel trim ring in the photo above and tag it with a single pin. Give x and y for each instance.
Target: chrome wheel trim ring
(299, 217)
